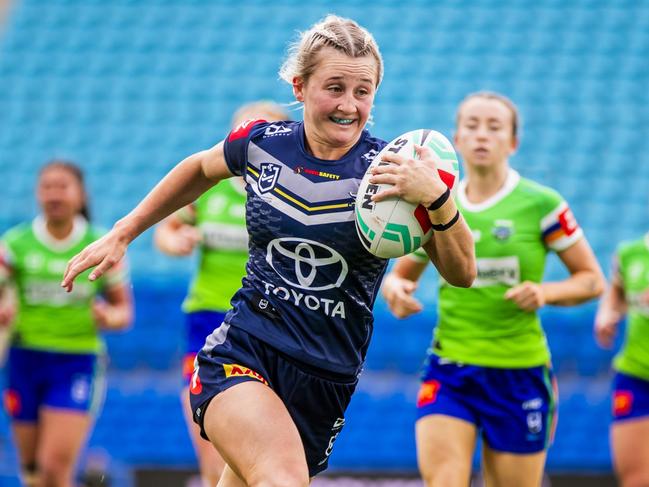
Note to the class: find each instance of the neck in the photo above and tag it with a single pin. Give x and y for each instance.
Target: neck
(318, 148)
(60, 229)
(483, 183)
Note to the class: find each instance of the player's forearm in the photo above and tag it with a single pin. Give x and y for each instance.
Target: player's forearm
(180, 187)
(578, 288)
(455, 254)
(613, 304)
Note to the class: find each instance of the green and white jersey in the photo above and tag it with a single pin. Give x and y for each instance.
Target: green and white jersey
(632, 269)
(513, 232)
(220, 214)
(49, 318)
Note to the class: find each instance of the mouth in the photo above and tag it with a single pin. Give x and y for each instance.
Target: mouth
(342, 121)
(481, 151)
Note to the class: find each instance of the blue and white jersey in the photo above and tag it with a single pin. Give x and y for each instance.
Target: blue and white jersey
(310, 284)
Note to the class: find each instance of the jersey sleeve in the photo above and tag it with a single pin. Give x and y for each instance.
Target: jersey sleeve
(419, 255)
(559, 228)
(235, 147)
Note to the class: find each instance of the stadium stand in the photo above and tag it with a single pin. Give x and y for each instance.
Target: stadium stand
(127, 88)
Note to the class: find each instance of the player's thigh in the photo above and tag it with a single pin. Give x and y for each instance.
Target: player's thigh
(630, 449)
(62, 435)
(505, 469)
(210, 462)
(253, 431)
(445, 448)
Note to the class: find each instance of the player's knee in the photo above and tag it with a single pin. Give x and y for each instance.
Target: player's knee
(294, 474)
(445, 474)
(55, 470)
(635, 478)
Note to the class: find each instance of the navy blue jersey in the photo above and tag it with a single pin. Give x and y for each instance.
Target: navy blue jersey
(310, 283)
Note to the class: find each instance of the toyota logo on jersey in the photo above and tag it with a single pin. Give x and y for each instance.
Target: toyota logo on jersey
(306, 264)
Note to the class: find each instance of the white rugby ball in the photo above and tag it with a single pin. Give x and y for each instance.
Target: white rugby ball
(393, 227)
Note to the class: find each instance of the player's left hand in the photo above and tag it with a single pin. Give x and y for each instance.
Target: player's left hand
(414, 180)
(106, 316)
(528, 296)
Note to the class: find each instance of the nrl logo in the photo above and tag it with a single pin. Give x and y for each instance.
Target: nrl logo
(268, 176)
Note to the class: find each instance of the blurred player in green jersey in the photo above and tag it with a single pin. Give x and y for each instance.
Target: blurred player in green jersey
(488, 370)
(55, 366)
(628, 294)
(216, 225)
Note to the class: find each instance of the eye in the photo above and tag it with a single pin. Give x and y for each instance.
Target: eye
(335, 88)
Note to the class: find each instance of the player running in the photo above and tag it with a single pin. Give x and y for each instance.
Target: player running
(272, 383)
(628, 293)
(55, 366)
(488, 370)
(216, 224)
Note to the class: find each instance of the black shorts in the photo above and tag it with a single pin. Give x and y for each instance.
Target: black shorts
(315, 399)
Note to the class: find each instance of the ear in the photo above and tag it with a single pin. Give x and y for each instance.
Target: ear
(298, 88)
(514, 146)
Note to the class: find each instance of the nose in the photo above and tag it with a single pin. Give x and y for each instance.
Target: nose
(347, 105)
(481, 133)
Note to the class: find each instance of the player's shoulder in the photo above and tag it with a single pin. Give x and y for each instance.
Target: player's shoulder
(535, 189)
(259, 129)
(369, 147)
(17, 233)
(626, 247)
(94, 232)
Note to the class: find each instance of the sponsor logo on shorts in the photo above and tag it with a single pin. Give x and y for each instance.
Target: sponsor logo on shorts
(195, 386)
(12, 402)
(535, 422)
(80, 390)
(622, 403)
(236, 370)
(536, 403)
(335, 429)
(428, 393)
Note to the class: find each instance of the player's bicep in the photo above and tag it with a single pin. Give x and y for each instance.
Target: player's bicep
(214, 165)
(579, 257)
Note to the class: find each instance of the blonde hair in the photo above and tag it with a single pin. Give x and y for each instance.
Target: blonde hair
(491, 95)
(342, 34)
(266, 109)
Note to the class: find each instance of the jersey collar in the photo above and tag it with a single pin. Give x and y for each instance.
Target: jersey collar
(79, 227)
(510, 183)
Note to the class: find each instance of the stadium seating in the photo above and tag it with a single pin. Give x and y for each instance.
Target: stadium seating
(127, 88)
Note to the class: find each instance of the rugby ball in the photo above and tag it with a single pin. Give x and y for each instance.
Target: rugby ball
(394, 227)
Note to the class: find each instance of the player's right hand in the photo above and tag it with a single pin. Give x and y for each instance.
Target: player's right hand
(184, 239)
(398, 293)
(104, 253)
